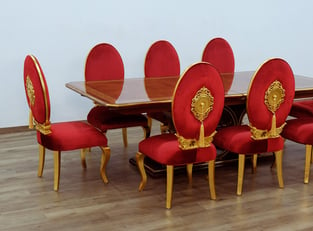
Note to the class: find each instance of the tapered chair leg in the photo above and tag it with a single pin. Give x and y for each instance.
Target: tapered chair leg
(189, 172)
(30, 120)
(211, 177)
(57, 161)
(124, 132)
(279, 167)
(169, 185)
(106, 152)
(308, 159)
(83, 157)
(254, 162)
(41, 164)
(241, 170)
(140, 163)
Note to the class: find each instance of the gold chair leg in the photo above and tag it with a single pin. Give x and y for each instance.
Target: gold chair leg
(307, 165)
(211, 172)
(30, 120)
(140, 164)
(254, 162)
(41, 164)
(105, 157)
(189, 172)
(241, 170)
(169, 185)
(149, 122)
(124, 131)
(83, 157)
(57, 161)
(279, 167)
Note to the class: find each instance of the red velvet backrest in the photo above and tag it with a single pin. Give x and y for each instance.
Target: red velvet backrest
(162, 60)
(194, 78)
(36, 90)
(220, 54)
(258, 113)
(104, 63)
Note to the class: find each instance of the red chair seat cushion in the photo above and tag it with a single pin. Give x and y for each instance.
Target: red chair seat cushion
(164, 149)
(299, 130)
(103, 119)
(302, 109)
(67, 136)
(237, 139)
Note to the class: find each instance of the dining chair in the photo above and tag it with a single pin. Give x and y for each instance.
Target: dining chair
(269, 99)
(105, 63)
(300, 130)
(62, 136)
(196, 110)
(161, 60)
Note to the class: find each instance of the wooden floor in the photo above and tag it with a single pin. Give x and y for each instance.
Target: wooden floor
(85, 203)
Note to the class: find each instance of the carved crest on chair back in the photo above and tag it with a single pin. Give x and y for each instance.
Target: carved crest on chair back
(274, 97)
(201, 105)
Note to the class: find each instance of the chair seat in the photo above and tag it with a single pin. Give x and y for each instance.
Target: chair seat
(302, 109)
(238, 139)
(104, 120)
(299, 130)
(165, 150)
(74, 135)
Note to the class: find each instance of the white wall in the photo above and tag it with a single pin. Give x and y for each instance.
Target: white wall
(61, 32)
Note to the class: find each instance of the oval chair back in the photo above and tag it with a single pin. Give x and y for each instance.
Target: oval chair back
(162, 60)
(220, 54)
(197, 105)
(37, 94)
(104, 62)
(270, 97)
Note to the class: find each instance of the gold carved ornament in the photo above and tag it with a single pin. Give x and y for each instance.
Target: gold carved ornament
(201, 105)
(274, 97)
(42, 128)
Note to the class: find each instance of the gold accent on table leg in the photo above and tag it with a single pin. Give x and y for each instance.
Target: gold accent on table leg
(83, 157)
(57, 160)
(279, 167)
(41, 164)
(124, 131)
(105, 157)
(169, 185)
(241, 171)
(189, 172)
(254, 161)
(163, 128)
(211, 172)
(140, 164)
(149, 122)
(30, 120)
(307, 165)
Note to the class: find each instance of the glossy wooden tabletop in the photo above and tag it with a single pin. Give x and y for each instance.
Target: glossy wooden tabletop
(149, 93)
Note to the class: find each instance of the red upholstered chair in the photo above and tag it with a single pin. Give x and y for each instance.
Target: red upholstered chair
(105, 63)
(302, 109)
(220, 54)
(300, 130)
(196, 109)
(63, 136)
(161, 61)
(269, 100)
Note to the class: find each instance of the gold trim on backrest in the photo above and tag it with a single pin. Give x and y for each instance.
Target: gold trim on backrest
(44, 128)
(274, 97)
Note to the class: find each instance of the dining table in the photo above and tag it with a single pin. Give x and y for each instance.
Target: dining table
(154, 94)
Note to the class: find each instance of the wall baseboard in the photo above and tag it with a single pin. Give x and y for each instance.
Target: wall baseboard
(14, 129)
